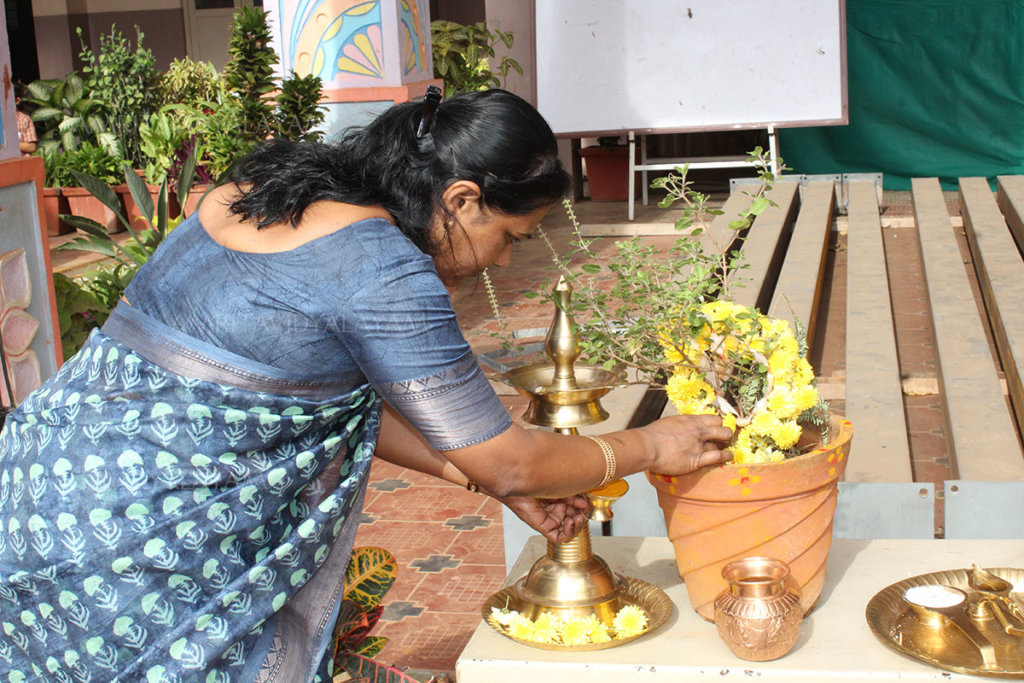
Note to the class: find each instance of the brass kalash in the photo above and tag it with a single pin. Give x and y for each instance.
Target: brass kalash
(570, 580)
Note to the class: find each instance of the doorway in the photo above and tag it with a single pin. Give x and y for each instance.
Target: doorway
(208, 28)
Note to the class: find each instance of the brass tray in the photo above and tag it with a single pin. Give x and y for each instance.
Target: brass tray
(647, 596)
(945, 645)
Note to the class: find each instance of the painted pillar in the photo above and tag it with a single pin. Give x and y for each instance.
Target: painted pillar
(8, 113)
(370, 54)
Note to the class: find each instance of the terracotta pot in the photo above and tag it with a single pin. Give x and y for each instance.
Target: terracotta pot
(134, 214)
(82, 203)
(782, 510)
(54, 204)
(194, 196)
(608, 173)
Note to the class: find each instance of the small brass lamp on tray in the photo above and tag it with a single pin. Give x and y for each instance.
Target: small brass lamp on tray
(571, 599)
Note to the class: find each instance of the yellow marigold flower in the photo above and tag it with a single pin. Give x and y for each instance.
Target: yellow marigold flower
(729, 420)
(598, 630)
(786, 434)
(803, 372)
(686, 387)
(805, 397)
(504, 616)
(775, 327)
(576, 631)
(763, 424)
(629, 621)
(781, 364)
(782, 402)
(521, 627)
(547, 628)
(742, 446)
(788, 344)
(719, 311)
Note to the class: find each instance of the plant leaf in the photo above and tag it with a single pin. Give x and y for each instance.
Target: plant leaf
(140, 193)
(186, 177)
(351, 627)
(101, 191)
(371, 573)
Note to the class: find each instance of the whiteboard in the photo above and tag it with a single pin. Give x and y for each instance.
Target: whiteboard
(607, 66)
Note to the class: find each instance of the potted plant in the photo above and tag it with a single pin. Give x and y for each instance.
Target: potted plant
(54, 201)
(370, 574)
(65, 116)
(99, 164)
(122, 78)
(673, 322)
(85, 302)
(463, 53)
(607, 165)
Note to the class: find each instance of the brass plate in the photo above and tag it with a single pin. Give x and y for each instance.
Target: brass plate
(945, 646)
(647, 596)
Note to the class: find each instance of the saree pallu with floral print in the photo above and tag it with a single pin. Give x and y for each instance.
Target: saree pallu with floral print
(160, 526)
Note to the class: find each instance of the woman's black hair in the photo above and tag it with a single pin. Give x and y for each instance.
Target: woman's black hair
(493, 138)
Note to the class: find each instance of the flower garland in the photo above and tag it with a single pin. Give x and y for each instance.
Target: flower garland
(730, 360)
(550, 628)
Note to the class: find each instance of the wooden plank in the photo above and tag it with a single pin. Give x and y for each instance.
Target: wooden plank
(981, 437)
(874, 400)
(765, 247)
(1010, 197)
(1000, 274)
(719, 235)
(798, 291)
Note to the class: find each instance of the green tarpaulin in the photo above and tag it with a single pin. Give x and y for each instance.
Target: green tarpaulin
(935, 88)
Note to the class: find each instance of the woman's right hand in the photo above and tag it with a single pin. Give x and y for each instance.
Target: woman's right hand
(684, 443)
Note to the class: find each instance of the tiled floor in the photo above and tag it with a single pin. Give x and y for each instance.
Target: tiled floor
(448, 542)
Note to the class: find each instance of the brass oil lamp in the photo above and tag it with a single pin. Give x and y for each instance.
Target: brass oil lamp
(570, 580)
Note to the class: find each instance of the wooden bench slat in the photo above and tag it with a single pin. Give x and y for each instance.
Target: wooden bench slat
(798, 291)
(874, 398)
(1010, 198)
(765, 247)
(1000, 276)
(981, 437)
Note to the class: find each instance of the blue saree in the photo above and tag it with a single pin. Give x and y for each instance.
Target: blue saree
(207, 540)
(179, 501)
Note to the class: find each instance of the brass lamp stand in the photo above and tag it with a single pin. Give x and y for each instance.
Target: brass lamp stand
(570, 580)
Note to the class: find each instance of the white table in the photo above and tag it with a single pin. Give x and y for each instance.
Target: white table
(835, 642)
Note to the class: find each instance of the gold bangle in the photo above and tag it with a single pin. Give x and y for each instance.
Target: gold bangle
(609, 458)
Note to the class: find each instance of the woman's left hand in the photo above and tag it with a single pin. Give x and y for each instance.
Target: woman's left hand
(558, 520)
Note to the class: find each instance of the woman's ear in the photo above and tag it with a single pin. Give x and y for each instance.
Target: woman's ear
(462, 199)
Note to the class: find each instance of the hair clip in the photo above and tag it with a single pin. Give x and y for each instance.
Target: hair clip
(430, 101)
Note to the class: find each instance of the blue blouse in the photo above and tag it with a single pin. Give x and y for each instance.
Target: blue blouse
(360, 304)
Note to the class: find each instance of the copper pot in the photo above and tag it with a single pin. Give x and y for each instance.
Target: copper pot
(759, 614)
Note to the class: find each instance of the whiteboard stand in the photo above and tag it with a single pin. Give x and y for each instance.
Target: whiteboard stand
(666, 164)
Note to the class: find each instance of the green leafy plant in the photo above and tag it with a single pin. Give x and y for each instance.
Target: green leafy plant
(141, 244)
(161, 138)
(298, 108)
(463, 55)
(188, 82)
(56, 173)
(249, 73)
(670, 318)
(88, 160)
(371, 573)
(80, 309)
(249, 105)
(123, 79)
(65, 117)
